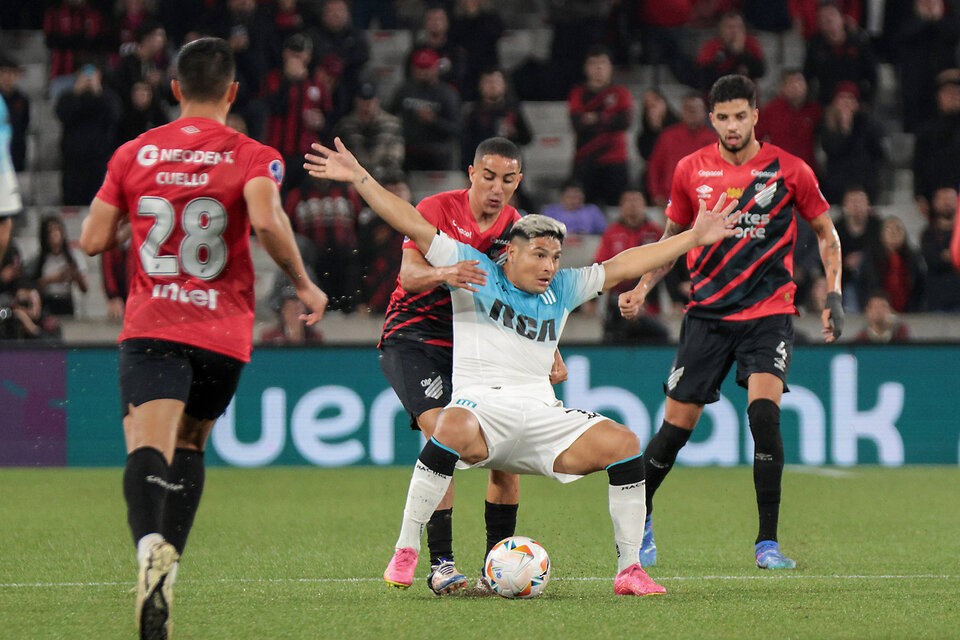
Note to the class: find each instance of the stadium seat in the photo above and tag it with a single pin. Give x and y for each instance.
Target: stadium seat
(517, 45)
(425, 183)
(388, 77)
(389, 47)
(549, 117)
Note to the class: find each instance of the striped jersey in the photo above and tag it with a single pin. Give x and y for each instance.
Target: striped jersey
(427, 316)
(749, 275)
(505, 336)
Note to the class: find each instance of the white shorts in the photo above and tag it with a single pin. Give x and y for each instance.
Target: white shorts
(10, 202)
(523, 434)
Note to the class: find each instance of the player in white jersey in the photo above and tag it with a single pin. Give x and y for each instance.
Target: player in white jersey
(10, 203)
(503, 413)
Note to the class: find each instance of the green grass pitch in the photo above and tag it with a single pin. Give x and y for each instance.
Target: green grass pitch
(298, 553)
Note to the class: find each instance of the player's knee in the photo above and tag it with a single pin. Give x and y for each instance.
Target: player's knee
(764, 417)
(460, 430)
(624, 444)
(503, 481)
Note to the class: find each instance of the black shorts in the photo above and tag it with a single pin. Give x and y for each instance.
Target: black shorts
(153, 369)
(420, 374)
(708, 348)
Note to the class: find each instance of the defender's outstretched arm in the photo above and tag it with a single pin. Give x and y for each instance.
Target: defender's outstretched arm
(341, 166)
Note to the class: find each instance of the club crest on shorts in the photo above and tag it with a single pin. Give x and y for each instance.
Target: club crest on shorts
(432, 388)
(674, 378)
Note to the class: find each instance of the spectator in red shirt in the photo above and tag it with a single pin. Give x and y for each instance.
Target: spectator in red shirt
(839, 52)
(633, 229)
(790, 120)
(326, 213)
(677, 141)
(76, 33)
(897, 268)
(665, 33)
(943, 279)
(731, 51)
(297, 106)
(601, 113)
(804, 13)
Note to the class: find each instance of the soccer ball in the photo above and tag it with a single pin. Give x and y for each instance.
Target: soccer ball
(517, 567)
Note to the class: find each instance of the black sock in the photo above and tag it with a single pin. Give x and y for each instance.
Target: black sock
(186, 477)
(659, 456)
(629, 471)
(145, 490)
(764, 417)
(501, 520)
(440, 535)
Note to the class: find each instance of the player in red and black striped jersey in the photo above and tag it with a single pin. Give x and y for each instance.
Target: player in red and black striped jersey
(742, 297)
(417, 341)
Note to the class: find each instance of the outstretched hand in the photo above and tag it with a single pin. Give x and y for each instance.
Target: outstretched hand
(333, 164)
(465, 275)
(716, 224)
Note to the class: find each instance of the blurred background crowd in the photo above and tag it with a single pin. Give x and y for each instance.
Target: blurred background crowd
(603, 96)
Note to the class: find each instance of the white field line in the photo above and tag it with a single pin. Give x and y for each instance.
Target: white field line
(827, 472)
(780, 576)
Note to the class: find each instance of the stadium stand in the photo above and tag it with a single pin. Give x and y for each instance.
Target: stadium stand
(547, 159)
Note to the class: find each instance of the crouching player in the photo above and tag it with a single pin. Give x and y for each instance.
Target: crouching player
(503, 412)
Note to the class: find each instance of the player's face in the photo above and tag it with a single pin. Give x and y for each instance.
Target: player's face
(531, 264)
(493, 181)
(734, 122)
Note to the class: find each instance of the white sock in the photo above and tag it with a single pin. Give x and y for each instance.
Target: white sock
(427, 489)
(145, 543)
(628, 510)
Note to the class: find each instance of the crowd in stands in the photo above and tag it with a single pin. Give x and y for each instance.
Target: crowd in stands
(305, 74)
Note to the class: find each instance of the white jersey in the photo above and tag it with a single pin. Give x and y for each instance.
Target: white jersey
(505, 337)
(9, 190)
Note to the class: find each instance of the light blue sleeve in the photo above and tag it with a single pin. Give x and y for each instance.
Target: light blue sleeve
(573, 287)
(445, 251)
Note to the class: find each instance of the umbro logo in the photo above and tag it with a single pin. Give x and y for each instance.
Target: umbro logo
(674, 378)
(704, 191)
(432, 388)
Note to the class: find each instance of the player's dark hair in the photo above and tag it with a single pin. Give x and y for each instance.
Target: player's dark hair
(733, 87)
(538, 226)
(498, 147)
(205, 69)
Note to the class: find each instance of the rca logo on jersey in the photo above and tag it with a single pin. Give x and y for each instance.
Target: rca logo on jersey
(150, 154)
(172, 291)
(525, 326)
